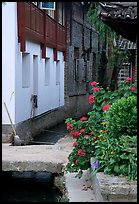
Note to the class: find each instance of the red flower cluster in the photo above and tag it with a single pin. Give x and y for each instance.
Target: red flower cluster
(76, 161)
(82, 153)
(83, 118)
(87, 136)
(76, 134)
(128, 79)
(71, 133)
(81, 130)
(132, 88)
(69, 126)
(91, 99)
(96, 89)
(74, 144)
(93, 83)
(106, 107)
(91, 133)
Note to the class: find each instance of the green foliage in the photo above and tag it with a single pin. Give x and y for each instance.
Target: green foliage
(63, 199)
(92, 136)
(121, 118)
(79, 158)
(117, 156)
(102, 28)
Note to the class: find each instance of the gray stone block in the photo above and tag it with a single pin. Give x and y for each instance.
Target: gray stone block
(114, 188)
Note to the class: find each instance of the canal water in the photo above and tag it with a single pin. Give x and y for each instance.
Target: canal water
(29, 187)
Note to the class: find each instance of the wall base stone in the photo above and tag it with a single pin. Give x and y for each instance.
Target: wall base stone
(114, 188)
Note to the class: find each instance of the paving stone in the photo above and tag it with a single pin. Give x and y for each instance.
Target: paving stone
(79, 190)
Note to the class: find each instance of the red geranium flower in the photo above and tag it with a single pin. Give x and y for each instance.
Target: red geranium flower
(74, 144)
(128, 79)
(69, 126)
(87, 136)
(83, 118)
(76, 134)
(82, 153)
(71, 133)
(132, 88)
(93, 83)
(91, 133)
(96, 89)
(81, 130)
(68, 123)
(76, 161)
(91, 99)
(106, 107)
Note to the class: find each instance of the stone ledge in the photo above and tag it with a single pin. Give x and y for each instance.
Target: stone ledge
(36, 166)
(113, 188)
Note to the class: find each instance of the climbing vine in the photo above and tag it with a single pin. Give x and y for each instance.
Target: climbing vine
(102, 28)
(106, 36)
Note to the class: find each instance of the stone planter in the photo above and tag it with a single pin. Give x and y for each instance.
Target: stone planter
(109, 188)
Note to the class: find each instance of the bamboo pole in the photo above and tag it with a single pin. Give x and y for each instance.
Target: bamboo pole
(10, 119)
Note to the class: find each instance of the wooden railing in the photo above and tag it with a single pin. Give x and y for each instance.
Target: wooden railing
(34, 24)
(61, 34)
(50, 32)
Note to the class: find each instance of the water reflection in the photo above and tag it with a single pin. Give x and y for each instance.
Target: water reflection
(29, 187)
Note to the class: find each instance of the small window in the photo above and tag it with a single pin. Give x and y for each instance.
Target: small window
(47, 71)
(35, 3)
(61, 13)
(47, 5)
(25, 70)
(51, 13)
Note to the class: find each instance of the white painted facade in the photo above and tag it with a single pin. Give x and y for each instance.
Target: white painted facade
(24, 74)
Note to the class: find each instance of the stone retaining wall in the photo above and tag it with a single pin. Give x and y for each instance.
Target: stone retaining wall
(113, 188)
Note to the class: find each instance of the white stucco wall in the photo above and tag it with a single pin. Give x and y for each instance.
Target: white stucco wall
(8, 60)
(48, 94)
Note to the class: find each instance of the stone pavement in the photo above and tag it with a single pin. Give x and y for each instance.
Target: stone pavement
(50, 158)
(79, 190)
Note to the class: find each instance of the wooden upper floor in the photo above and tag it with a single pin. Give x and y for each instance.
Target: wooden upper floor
(47, 27)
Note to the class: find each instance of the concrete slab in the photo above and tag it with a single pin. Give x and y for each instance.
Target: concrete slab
(36, 157)
(79, 190)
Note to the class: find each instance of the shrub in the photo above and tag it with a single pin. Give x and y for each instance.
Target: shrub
(93, 137)
(121, 118)
(117, 157)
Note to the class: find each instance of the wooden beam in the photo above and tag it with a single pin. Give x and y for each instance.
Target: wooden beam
(21, 25)
(56, 27)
